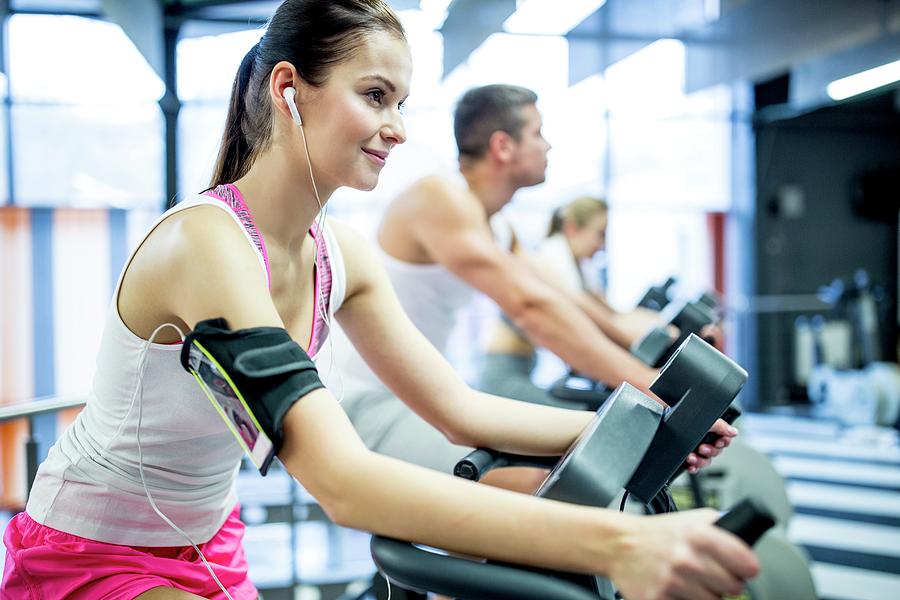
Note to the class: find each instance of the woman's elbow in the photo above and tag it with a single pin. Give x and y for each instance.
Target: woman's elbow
(458, 436)
(336, 487)
(342, 511)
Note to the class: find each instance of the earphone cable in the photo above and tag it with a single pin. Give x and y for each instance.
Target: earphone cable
(139, 392)
(320, 302)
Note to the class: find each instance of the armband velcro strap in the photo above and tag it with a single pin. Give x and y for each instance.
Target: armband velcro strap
(252, 376)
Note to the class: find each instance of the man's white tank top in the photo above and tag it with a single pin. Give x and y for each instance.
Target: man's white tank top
(90, 484)
(430, 295)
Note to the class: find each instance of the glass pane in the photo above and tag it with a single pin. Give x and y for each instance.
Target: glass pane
(4, 146)
(643, 248)
(648, 83)
(667, 148)
(541, 63)
(200, 128)
(207, 65)
(672, 163)
(90, 61)
(88, 156)
(57, 5)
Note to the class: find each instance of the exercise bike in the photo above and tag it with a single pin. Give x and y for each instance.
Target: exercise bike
(654, 349)
(632, 443)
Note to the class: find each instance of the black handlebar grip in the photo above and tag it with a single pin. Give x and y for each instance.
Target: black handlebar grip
(748, 520)
(475, 464)
(729, 416)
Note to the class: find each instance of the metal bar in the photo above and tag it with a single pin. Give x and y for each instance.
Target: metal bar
(778, 303)
(7, 101)
(23, 410)
(31, 459)
(171, 106)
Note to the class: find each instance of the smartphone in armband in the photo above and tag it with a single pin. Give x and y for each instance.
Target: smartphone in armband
(230, 404)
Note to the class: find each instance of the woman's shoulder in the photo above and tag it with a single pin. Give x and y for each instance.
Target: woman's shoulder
(197, 242)
(200, 228)
(191, 259)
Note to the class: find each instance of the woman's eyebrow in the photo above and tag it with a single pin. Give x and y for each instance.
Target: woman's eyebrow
(384, 80)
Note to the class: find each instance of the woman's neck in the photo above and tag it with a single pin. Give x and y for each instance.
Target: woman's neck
(280, 196)
(572, 247)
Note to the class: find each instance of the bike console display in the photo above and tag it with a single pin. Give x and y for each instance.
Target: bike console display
(698, 383)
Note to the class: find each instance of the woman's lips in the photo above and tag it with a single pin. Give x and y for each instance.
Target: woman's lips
(379, 157)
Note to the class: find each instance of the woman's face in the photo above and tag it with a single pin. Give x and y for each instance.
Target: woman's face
(353, 121)
(590, 238)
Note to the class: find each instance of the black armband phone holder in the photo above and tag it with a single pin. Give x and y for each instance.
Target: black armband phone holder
(252, 377)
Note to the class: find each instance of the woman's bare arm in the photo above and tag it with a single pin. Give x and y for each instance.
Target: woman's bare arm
(414, 370)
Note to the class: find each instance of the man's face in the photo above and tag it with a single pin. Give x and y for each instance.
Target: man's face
(529, 163)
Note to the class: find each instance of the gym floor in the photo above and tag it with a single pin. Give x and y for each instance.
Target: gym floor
(844, 485)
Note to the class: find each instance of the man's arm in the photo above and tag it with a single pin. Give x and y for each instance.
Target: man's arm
(453, 229)
(623, 329)
(416, 372)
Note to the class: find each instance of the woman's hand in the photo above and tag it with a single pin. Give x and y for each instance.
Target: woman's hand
(704, 453)
(682, 555)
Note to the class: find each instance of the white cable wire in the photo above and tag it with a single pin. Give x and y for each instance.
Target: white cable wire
(139, 393)
(142, 363)
(320, 227)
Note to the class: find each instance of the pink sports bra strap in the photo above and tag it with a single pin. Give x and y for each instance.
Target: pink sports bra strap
(231, 196)
(323, 285)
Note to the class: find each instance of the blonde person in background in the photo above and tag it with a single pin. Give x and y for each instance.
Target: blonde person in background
(577, 232)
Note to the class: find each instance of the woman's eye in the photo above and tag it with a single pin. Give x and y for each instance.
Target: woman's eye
(376, 95)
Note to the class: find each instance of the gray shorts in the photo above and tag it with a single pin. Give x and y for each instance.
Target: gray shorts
(509, 375)
(388, 426)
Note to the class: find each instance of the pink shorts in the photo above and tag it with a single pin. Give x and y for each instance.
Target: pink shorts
(47, 564)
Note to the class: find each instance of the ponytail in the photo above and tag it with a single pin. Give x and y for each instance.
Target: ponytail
(556, 222)
(234, 157)
(578, 211)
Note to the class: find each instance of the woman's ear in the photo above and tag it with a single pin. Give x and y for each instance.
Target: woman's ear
(285, 76)
(569, 228)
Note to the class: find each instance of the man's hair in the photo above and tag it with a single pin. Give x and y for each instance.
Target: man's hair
(483, 110)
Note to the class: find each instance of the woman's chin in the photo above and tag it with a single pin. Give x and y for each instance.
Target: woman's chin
(364, 185)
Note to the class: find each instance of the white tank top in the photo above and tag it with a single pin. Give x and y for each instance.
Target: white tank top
(90, 484)
(430, 295)
(556, 252)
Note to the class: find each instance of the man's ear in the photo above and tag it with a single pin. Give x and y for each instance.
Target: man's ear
(501, 146)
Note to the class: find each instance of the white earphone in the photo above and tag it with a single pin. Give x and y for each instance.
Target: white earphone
(289, 94)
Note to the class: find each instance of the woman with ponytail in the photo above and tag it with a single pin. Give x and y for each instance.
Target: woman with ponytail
(137, 498)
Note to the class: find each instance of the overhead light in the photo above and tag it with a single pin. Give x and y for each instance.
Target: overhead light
(853, 85)
(549, 17)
